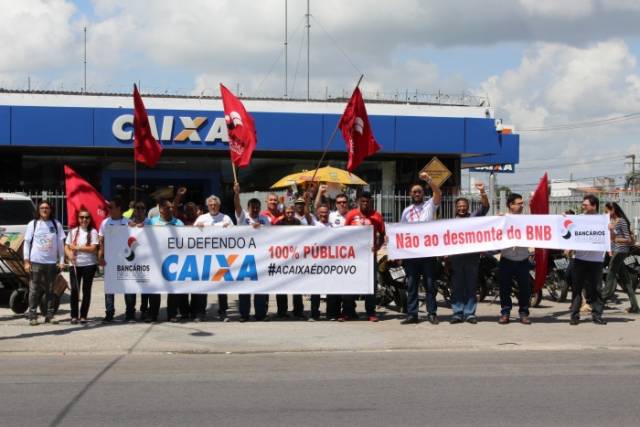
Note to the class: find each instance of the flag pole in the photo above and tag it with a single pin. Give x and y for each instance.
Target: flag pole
(333, 135)
(135, 173)
(235, 175)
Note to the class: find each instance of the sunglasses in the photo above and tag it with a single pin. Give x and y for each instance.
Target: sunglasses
(341, 202)
(84, 217)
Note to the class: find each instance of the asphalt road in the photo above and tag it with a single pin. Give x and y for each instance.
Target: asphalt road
(541, 388)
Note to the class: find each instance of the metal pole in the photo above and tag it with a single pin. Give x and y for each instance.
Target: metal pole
(308, 46)
(84, 88)
(286, 52)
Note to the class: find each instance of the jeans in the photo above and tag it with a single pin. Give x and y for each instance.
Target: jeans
(618, 270)
(260, 305)
(414, 268)
(42, 279)
(587, 275)
(129, 302)
(198, 307)
(464, 278)
(282, 303)
(333, 306)
(509, 269)
(81, 279)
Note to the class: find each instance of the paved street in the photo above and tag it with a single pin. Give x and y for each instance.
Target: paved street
(337, 388)
(322, 373)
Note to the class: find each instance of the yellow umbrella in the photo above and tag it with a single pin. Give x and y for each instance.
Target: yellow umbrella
(326, 174)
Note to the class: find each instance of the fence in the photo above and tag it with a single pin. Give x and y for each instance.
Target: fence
(392, 203)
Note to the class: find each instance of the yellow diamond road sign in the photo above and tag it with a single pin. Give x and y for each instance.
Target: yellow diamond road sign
(437, 171)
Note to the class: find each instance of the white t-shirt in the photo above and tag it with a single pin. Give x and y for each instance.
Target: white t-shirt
(336, 219)
(78, 237)
(44, 245)
(423, 212)
(303, 219)
(111, 222)
(323, 224)
(218, 220)
(245, 219)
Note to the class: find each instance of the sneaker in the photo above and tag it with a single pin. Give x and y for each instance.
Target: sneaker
(33, 322)
(599, 321)
(373, 318)
(472, 319)
(243, 319)
(504, 319)
(130, 319)
(455, 320)
(343, 318)
(525, 320)
(433, 319)
(574, 322)
(83, 321)
(108, 318)
(410, 321)
(74, 321)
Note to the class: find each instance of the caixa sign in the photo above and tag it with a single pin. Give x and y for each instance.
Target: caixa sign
(176, 129)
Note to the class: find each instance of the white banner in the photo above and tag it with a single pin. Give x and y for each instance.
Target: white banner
(237, 260)
(479, 234)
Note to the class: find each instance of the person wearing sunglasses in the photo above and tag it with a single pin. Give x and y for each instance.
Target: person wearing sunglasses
(81, 249)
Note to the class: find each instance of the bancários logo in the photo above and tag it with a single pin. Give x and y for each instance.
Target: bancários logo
(129, 251)
(567, 228)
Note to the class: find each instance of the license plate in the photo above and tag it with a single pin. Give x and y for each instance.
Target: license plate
(561, 263)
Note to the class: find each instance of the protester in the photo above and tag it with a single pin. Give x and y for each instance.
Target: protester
(302, 212)
(322, 213)
(272, 212)
(115, 219)
(166, 218)
(138, 220)
(587, 273)
(43, 254)
(213, 218)
(253, 218)
(464, 267)
(129, 213)
(364, 214)
(282, 300)
(514, 262)
(188, 214)
(336, 219)
(82, 252)
(621, 242)
(421, 211)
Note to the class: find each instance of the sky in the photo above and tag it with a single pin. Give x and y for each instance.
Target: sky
(540, 63)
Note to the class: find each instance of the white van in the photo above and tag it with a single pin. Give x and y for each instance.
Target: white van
(16, 210)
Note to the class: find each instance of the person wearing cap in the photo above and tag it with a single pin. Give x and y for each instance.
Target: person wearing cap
(364, 214)
(419, 211)
(213, 218)
(251, 217)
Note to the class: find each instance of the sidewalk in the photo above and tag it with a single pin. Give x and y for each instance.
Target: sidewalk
(550, 331)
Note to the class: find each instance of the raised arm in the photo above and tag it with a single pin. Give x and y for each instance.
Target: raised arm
(236, 199)
(437, 194)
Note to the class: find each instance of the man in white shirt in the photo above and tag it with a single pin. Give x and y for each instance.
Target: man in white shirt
(421, 210)
(253, 218)
(213, 218)
(336, 218)
(115, 219)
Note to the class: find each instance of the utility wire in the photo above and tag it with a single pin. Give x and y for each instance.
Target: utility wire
(583, 125)
(337, 46)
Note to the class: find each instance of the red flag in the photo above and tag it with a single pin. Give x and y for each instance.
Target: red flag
(81, 194)
(539, 204)
(146, 148)
(241, 128)
(356, 131)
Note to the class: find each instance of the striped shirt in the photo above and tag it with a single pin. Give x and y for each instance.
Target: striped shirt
(621, 230)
